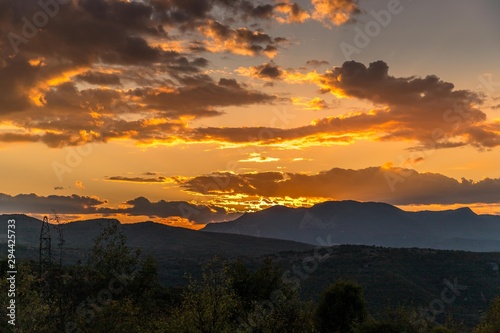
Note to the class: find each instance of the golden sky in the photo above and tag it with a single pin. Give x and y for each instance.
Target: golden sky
(191, 111)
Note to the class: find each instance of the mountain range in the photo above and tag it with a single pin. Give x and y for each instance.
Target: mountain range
(150, 236)
(370, 223)
(177, 250)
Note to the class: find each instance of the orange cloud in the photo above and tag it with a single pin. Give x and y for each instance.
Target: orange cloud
(241, 41)
(336, 12)
(312, 104)
(291, 13)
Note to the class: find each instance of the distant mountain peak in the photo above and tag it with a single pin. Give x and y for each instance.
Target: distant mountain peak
(465, 210)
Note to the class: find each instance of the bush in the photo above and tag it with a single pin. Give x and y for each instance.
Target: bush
(342, 306)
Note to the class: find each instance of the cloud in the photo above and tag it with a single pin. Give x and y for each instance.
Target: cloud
(209, 94)
(336, 12)
(99, 78)
(425, 110)
(241, 41)
(32, 203)
(315, 103)
(82, 205)
(329, 12)
(257, 158)
(263, 12)
(200, 214)
(79, 184)
(317, 63)
(418, 107)
(159, 179)
(64, 85)
(393, 185)
(266, 71)
(291, 13)
(69, 116)
(98, 64)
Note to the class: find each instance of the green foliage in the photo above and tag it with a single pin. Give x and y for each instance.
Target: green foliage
(379, 327)
(267, 304)
(341, 307)
(491, 322)
(117, 290)
(110, 253)
(32, 306)
(441, 329)
(255, 286)
(208, 305)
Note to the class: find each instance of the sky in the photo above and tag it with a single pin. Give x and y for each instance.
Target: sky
(187, 112)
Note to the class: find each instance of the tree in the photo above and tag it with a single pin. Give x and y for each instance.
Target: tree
(267, 303)
(341, 307)
(115, 289)
(110, 254)
(208, 305)
(491, 322)
(32, 308)
(379, 327)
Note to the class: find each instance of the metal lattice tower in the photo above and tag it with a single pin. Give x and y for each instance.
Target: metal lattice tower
(45, 248)
(60, 237)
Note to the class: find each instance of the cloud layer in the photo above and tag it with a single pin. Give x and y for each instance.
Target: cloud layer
(140, 207)
(397, 186)
(98, 70)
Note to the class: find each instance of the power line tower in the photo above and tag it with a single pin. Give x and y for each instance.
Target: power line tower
(57, 277)
(60, 237)
(45, 249)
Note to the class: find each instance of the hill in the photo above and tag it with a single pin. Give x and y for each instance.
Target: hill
(407, 277)
(178, 250)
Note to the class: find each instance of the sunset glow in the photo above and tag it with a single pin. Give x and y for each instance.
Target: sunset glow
(189, 114)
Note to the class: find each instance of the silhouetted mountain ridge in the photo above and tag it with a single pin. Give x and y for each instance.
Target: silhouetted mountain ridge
(371, 223)
(151, 237)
